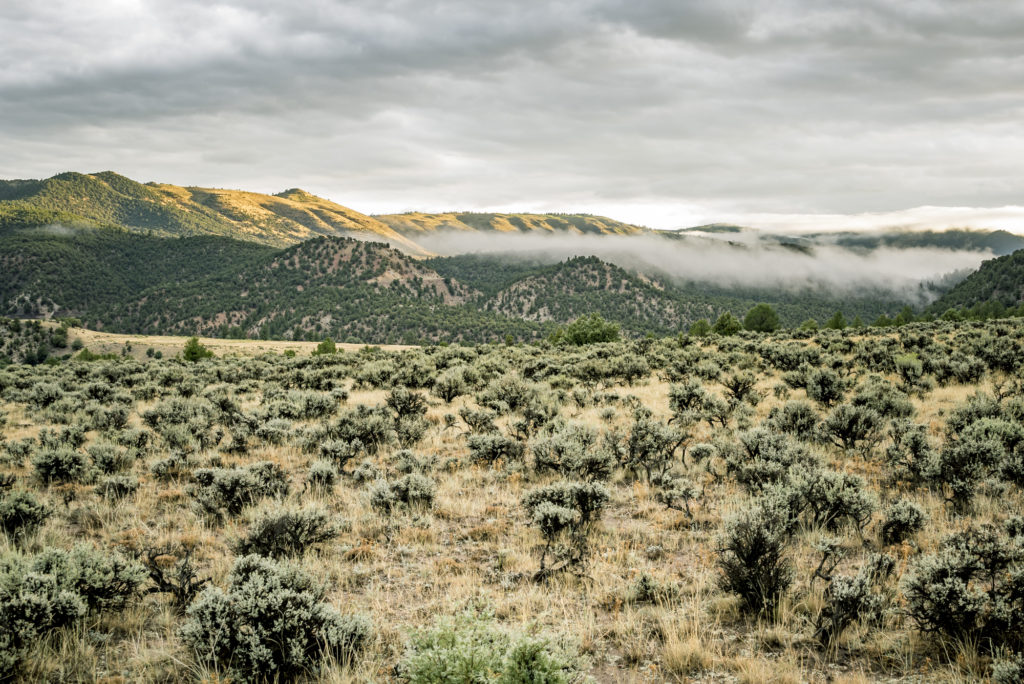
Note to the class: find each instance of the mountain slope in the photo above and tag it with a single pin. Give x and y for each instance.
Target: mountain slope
(60, 270)
(347, 289)
(110, 199)
(997, 280)
(414, 223)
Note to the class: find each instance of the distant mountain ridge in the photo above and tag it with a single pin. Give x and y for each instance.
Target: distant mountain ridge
(412, 224)
(109, 199)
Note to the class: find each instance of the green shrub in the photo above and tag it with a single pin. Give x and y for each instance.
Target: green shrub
(852, 427)
(102, 581)
(565, 514)
(753, 559)
(797, 418)
(493, 447)
(61, 465)
(117, 487)
(572, 451)
(270, 624)
(469, 648)
(195, 351)
(232, 489)
(969, 589)
(31, 604)
(21, 514)
(286, 533)
(322, 475)
(901, 521)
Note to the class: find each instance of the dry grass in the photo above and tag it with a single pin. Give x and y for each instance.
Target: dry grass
(475, 543)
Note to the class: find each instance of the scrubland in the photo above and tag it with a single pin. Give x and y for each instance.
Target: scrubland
(832, 506)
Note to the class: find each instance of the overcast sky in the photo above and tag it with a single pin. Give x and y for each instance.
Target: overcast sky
(663, 112)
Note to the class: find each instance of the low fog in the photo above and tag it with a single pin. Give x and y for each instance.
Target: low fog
(836, 269)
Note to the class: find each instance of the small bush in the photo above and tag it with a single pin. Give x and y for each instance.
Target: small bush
(61, 465)
(902, 520)
(270, 624)
(469, 648)
(117, 487)
(753, 559)
(232, 489)
(565, 513)
(322, 475)
(287, 533)
(493, 447)
(969, 589)
(21, 514)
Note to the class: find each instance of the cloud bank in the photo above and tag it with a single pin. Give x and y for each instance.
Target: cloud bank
(671, 113)
(831, 268)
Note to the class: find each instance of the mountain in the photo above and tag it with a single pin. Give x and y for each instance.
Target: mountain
(999, 280)
(412, 224)
(535, 289)
(109, 199)
(350, 290)
(73, 271)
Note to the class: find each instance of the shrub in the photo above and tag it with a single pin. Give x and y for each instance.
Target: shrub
(849, 427)
(117, 487)
(565, 511)
(740, 387)
(406, 403)
(102, 581)
(572, 451)
(285, 533)
(796, 417)
(107, 459)
(676, 492)
(31, 604)
(270, 624)
(493, 447)
(322, 475)
(172, 571)
(61, 465)
(834, 497)
(753, 559)
(847, 599)
(651, 446)
(468, 648)
(962, 464)
(824, 386)
(450, 385)
(590, 329)
(232, 489)
(195, 351)
(21, 514)
(970, 588)
(910, 457)
(902, 520)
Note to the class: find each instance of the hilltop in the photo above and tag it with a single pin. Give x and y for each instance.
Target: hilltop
(109, 199)
(412, 224)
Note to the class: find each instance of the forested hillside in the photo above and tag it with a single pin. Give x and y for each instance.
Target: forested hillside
(999, 281)
(346, 289)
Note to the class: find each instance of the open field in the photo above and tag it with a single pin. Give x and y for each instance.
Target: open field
(169, 345)
(416, 467)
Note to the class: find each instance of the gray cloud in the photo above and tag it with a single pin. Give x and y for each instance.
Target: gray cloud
(732, 107)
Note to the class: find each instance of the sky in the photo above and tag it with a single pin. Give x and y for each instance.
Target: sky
(667, 113)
